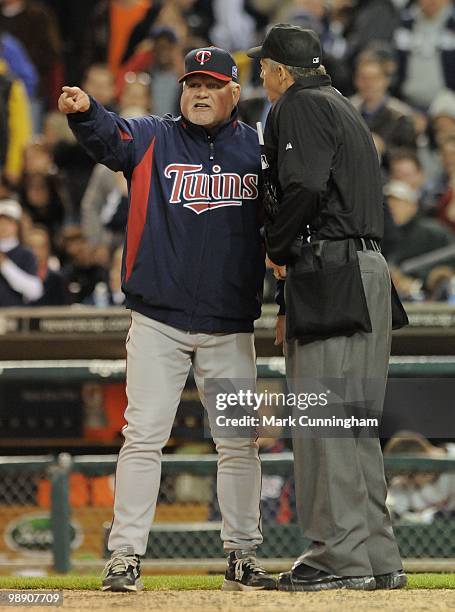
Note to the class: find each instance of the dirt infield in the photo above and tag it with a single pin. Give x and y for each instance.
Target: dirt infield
(216, 601)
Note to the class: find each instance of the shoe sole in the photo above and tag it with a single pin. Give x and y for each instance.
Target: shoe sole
(391, 582)
(231, 585)
(123, 588)
(355, 584)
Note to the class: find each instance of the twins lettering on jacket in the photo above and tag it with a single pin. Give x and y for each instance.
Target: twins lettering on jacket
(200, 192)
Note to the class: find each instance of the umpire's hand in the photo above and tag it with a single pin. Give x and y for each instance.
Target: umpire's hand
(73, 100)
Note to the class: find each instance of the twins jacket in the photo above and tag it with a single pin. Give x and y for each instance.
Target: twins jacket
(193, 256)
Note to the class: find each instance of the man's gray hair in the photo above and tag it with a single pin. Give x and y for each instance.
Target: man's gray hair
(297, 72)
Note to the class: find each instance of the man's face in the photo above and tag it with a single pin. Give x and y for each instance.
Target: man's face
(271, 81)
(165, 51)
(9, 228)
(208, 102)
(402, 210)
(39, 243)
(405, 170)
(448, 156)
(430, 8)
(370, 81)
(443, 126)
(99, 83)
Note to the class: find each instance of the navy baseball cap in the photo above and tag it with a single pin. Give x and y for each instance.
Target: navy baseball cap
(290, 45)
(213, 61)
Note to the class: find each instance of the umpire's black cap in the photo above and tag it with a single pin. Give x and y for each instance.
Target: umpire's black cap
(290, 45)
(213, 61)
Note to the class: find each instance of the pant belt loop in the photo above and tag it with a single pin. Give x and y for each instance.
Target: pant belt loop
(364, 245)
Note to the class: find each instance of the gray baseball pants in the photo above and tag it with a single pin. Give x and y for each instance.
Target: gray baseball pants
(340, 483)
(159, 358)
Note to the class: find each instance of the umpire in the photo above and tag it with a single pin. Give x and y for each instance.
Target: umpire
(325, 223)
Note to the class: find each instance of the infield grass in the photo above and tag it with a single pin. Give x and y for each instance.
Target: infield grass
(179, 583)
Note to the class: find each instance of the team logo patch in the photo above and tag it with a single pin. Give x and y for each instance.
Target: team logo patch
(201, 192)
(315, 60)
(202, 57)
(235, 72)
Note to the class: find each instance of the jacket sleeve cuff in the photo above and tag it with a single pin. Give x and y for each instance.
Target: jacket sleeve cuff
(87, 115)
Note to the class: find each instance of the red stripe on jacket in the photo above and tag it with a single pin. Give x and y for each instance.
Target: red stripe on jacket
(140, 189)
(124, 135)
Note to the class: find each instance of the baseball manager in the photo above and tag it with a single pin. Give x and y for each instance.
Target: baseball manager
(192, 273)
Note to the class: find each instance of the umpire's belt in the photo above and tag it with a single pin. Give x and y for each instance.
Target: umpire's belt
(331, 248)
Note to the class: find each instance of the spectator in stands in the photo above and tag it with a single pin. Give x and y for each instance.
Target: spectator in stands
(36, 27)
(363, 22)
(440, 284)
(136, 98)
(442, 114)
(446, 204)
(309, 14)
(388, 118)
(44, 199)
(416, 234)
(68, 160)
(38, 159)
(99, 83)
(6, 188)
(233, 28)
(19, 282)
(315, 15)
(176, 15)
(404, 165)
(167, 65)
(54, 290)
(55, 130)
(80, 271)
(426, 63)
(420, 496)
(15, 124)
(76, 166)
(109, 28)
(104, 201)
(19, 64)
(108, 292)
(104, 206)
(140, 34)
(43, 193)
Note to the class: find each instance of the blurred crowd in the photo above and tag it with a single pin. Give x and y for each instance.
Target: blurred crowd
(62, 217)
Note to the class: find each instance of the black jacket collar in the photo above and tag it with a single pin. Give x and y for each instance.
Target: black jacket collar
(312, 82)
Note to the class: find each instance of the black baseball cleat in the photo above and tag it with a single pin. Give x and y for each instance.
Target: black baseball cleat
(393, 580)
(122, 572)
(243, 573)
(302, 577)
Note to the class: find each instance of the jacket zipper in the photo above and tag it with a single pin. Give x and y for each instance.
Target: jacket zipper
(211, 158)
(211, 148)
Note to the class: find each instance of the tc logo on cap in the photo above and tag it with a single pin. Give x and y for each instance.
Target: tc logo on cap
(202, 57)
(315, 60)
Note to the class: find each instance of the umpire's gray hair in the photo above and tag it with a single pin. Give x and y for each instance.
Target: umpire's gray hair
(297, 72)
